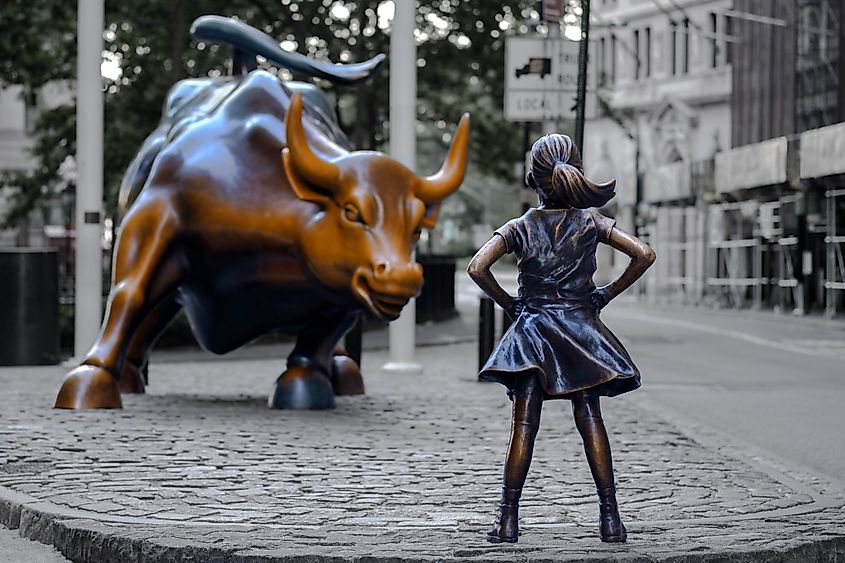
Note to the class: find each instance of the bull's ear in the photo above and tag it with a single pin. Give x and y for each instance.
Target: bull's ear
(299, 185)
(432, 210)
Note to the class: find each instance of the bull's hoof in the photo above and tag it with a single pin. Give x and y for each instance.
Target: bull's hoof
(346, 376)
(302, 388)
(89, 387)
(132, 379)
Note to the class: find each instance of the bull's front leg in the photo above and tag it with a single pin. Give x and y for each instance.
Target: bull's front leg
(143, 277)
(306, 383)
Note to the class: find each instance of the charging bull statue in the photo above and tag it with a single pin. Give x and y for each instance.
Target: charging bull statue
(247, 209)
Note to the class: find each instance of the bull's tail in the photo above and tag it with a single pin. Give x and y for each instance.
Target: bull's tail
(249, 42)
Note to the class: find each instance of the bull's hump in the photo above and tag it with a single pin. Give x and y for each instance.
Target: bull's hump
(259, 93)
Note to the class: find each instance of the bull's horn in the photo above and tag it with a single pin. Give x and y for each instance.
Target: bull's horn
(306, 162)
(436, 187)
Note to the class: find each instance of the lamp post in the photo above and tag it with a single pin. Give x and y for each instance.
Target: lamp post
(89, 187)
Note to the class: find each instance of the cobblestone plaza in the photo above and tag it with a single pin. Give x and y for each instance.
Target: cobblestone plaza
(200, 470)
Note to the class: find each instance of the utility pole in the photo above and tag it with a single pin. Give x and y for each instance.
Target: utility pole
(403, 119)
(89, 185)
(581, 96)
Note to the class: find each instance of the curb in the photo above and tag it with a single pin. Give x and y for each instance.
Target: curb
(83, 538)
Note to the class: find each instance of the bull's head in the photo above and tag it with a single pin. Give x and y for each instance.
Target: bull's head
(372, 212)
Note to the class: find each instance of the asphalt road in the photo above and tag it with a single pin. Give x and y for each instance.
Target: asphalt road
(772, 381)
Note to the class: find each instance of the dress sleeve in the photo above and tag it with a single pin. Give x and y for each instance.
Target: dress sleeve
(512, 234)
(603, 225)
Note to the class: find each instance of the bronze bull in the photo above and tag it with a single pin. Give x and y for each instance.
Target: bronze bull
(253, 216)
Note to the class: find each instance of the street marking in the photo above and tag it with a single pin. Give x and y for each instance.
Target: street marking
(777, 344)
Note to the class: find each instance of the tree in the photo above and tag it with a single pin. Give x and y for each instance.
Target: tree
(461, 68)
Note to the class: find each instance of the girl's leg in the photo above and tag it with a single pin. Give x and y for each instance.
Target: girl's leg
(588, 420)
(527, 404)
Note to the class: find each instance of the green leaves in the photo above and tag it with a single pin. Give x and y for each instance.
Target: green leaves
(461, 66)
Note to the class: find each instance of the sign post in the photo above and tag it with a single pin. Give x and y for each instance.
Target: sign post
(541, 78)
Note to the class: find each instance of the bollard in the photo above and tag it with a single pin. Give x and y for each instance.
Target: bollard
(486, 330)
(507, 321)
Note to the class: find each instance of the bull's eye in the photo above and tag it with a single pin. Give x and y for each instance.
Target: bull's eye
(353, 214)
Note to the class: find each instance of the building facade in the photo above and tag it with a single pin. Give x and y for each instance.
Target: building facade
(719, 118)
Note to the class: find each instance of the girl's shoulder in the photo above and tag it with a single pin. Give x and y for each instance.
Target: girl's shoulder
(604, 225)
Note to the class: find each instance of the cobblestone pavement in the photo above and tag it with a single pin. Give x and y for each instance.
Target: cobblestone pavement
(200, 470)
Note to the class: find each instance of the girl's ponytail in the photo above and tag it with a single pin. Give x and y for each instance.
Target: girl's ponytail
(558, 176)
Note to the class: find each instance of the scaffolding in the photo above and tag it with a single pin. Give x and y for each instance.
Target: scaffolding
(834, 240)
(783, 256)
(734, 255)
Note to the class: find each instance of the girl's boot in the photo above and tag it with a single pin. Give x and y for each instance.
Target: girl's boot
(506, 526)
(611, 526)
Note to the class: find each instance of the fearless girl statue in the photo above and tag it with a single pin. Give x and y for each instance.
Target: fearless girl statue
(557, 346)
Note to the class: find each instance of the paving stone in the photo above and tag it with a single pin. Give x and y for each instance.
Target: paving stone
(200, 470)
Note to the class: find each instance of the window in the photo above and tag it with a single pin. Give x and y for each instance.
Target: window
(647, 52)
(685, 65)
(637, 57)
(714, 42)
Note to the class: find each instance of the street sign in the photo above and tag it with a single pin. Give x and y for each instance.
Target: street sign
(541, 78)
(552, 10)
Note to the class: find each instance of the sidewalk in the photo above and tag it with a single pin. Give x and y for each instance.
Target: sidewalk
(200, 470)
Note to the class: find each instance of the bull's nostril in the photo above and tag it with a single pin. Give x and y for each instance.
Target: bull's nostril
(382, 268)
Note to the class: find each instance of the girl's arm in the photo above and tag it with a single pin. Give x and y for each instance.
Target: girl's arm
(479, 271)
(642, 256)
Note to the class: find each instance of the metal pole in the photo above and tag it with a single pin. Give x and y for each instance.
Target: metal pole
(403, 114)
(89, 185)
(581, 96)
(486, 329)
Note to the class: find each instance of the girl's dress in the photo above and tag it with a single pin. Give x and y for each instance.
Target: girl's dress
(558, 333)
